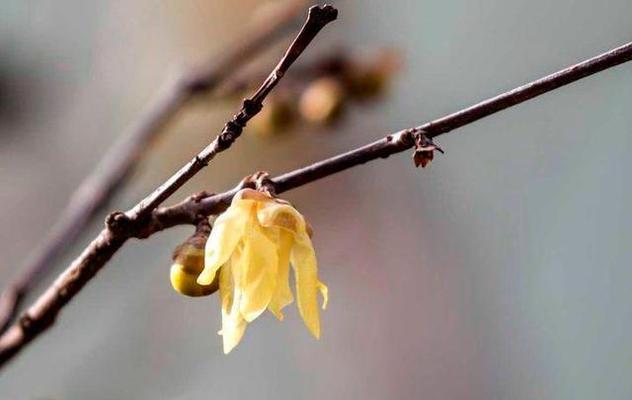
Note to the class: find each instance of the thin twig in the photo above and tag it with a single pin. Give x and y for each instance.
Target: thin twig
(317, 18)
(187, 212)
(99, 187)
(122, 226)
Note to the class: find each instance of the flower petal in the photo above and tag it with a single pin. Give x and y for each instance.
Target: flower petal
(228, 230)
(260, 261)
(283, 294)
(303, 261)
(274, 214)
(233, 323)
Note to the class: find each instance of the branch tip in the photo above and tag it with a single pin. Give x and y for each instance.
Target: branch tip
(322, 15)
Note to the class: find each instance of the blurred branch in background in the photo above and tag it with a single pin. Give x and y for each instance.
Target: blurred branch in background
(122, 226)
(110, 175)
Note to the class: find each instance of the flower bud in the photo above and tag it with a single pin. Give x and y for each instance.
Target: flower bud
(370, 79)
(188, 263)
(323, 101)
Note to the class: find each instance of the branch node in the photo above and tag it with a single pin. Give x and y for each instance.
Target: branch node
(118, 223)
(251, 107)
(229, 134)
(26, 322)
(199, 196)
(260, 181)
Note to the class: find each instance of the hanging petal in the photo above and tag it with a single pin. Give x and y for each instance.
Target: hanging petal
(260, 261)
(228, 230)
(226, 285)
(283, 294)
(303, 261)
(233, 323)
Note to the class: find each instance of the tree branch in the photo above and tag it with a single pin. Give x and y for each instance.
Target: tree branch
(122, 226)
(42, 313)
(187, 211)
(96, 190)
(317, 18)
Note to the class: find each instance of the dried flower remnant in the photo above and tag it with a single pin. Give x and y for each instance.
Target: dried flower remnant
(252, 246)
(424, 150)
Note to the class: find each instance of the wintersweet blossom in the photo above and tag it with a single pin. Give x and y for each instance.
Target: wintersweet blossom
(252, 245)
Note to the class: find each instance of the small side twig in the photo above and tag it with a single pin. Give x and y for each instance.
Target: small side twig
(98, 187)
(122, 226)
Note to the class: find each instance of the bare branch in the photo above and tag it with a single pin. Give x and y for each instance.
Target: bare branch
(99, 187)
(121, 226)
(186, 211)
(41, 315)
(317, 18)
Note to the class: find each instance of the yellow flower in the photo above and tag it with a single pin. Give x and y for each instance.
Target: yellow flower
(252, 245)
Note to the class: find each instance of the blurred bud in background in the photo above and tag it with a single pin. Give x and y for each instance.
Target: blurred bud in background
(278, 115)
(323, 101)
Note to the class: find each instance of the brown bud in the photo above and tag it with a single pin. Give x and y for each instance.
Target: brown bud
(370, 79)
(323, 101)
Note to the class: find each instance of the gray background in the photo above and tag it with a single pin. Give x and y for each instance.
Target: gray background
(501, 272)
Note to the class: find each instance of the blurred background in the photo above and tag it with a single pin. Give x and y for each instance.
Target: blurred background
(501, 271)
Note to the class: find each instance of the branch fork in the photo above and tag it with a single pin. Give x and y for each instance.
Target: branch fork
(261, 182)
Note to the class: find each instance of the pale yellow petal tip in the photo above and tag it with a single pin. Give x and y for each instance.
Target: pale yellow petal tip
(313, 325)
(206, 277)
(324, 292)
(231, 340)
(316, 333)
(250, 316)
(277, 313)
(229, 347)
